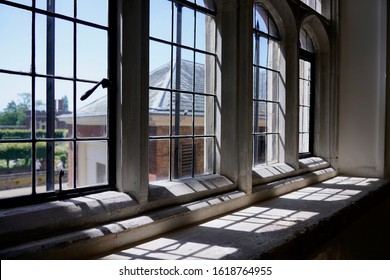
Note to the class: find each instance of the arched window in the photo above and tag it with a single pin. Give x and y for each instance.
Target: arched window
(306, 94)
(266, 87)
(181, 89)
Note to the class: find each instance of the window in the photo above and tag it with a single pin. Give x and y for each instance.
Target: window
(322, 7)
(306, 94)
(181, 89)
(314, 4)
(266, 88)
(51, 53)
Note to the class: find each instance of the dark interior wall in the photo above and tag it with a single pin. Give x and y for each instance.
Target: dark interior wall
(365, 238)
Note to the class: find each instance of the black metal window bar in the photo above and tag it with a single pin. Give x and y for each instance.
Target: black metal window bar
(266, 77)
(53, 152)
(187, 91)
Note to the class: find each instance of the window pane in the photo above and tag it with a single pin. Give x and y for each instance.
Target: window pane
(61, 57)
(272, 148)
(183, 25)
(61, 101)
(15, 169)
(91, 163)
(305, 117)
(272, 86)
(182, 114)
(272, 117)
(259, 117)
(260, 18)
(159, 112)
(91, 53)
(95, 11)
(15, 32)
(260, 83)
(60, 160)
(204, 73)
(183, 70)
(259, 148)
(304, 69)
(205, 32)
(40, 43)
(91, 113)
(319, 6)
(305, 41)
(159, 65)
(15, 107)
(203, 151)
(158, 160)
(182, 157)
(209, 4)
(161, 19)
(260, 51)
(63, 7)
(304, 143)
(273, 55)
(204, 115)
(63, 48)
(304, 93)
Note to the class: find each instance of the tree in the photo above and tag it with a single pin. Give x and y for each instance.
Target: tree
(65, 103)
(15, 114)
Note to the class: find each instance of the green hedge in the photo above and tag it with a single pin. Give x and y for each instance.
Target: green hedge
(26, 133)
(13, 151)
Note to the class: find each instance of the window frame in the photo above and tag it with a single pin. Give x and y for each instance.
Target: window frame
(52, 193)
(173, 137)
(257, 35)
(309, 57)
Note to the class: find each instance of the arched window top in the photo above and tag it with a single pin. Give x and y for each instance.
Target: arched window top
(305, 42)
(263, 21)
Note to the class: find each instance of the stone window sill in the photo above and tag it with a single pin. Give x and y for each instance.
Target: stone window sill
(267, 173)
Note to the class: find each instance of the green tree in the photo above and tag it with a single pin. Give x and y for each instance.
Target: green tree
(15, 113)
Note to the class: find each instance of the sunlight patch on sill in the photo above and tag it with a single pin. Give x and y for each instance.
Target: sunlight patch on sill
(321, 194)
(260, 219)
(353, 181)
(168, 248)
(267, 171)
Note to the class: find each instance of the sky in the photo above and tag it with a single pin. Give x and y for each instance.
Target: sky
(16, 45)
(16, 48)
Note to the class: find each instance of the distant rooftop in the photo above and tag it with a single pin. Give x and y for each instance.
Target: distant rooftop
(161, 80)
(159, 100)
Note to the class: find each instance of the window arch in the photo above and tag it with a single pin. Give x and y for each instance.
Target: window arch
(322, 120)
(266, 135)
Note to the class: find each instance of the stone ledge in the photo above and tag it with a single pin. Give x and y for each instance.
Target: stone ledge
(21, 224)
(87, 243)
(268, 173)
(26, 223)
(292, 226)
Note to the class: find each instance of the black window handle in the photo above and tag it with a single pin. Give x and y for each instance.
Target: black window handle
(105, 83)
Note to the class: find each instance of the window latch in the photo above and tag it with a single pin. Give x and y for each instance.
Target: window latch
(105, 83)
